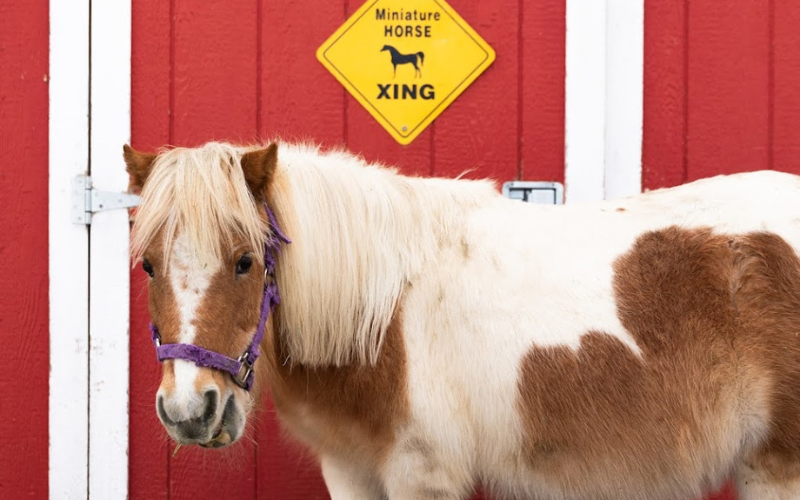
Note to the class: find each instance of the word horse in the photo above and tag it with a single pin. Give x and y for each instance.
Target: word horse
(398, 58)
(432, 335)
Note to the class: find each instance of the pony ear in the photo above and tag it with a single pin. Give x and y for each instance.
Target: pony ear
(259, 168)
(138, 167)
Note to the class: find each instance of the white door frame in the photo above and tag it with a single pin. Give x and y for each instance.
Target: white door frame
(109, 269)
(604, 99)
(89, 332)
(69, 251)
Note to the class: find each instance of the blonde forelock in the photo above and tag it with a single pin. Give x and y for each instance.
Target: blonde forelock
(200, 193)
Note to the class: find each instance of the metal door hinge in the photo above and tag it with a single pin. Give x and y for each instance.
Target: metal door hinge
(546, 193)
(86, 200)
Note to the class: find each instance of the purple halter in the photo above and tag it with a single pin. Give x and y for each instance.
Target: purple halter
(241, 368)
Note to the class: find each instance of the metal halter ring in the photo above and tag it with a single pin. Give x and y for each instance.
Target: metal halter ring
(247, 367)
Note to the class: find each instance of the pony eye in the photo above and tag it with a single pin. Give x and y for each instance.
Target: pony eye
(148, 267)
(244, 264)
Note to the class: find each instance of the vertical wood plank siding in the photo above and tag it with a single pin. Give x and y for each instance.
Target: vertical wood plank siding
(719, 96)
(24, 315)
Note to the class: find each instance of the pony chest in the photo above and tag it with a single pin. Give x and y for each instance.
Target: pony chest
(357, 406)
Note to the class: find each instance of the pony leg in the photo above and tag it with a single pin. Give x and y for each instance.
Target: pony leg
(347, 482)
(769, 478)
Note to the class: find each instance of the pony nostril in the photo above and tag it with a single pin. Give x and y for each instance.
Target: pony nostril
(162, 413)
(210, 411)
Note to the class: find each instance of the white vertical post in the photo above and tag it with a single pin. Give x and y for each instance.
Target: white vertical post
(109, 271)
(624, 97)
(69, 250)
(585, 100)
(604, 79)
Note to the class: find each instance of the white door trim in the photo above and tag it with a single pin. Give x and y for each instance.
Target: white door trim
(109, 269)
(89, 343)
(69, 251)
(603, 109)
(624, 97)
(584, 134)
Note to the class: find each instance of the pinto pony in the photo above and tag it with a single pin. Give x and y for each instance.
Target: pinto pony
(432, 335)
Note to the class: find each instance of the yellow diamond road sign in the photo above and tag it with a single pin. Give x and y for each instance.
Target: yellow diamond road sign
(405, 61)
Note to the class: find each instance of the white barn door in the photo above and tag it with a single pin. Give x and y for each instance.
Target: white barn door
(89, 270)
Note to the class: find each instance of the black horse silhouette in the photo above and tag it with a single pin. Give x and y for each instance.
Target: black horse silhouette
(398, 58)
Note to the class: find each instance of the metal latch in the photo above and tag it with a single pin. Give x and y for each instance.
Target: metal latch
(546, 193)
(87, 200)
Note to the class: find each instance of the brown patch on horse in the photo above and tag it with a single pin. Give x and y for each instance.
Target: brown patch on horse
(350, 411)
(167, 376)
(227, 316)
(164, 311)
(138, 166)
(716, 318)
(210, 377)
(768, 306)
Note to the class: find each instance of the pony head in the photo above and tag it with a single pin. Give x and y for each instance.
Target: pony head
(200, 235)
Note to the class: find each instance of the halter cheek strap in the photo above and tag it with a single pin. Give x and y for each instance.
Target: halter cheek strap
(241, 368)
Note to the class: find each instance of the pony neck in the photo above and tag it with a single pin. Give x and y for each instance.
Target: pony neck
(359, 233)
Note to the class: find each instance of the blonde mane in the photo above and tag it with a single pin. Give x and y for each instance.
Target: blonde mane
(359, 234)
(202, 193)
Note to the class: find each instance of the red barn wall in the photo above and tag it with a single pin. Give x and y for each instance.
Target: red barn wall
(23, 249)
(246, 70)
(721, 87)
(719, 96)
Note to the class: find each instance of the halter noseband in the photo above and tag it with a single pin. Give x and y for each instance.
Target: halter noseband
(241, 368)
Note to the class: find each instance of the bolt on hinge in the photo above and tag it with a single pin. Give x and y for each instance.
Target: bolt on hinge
(86, 200)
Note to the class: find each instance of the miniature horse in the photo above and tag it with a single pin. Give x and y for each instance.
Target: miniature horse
(432, 335)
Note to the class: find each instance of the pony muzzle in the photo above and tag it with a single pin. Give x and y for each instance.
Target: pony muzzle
(211, 417)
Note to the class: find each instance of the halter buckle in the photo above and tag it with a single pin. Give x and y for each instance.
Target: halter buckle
(244, 372)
